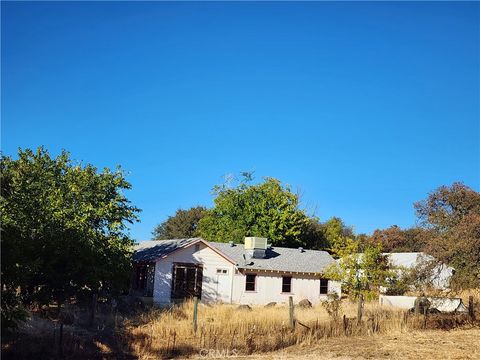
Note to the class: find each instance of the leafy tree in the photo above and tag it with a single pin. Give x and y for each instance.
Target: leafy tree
(63, 228)
(394, 239)
(335, 232)
(313, 235)
(359, 273)
(448, 206)
(452, 216)
(184, 224)
(267, 209)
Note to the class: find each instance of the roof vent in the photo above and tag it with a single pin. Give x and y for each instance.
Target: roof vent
(301, 249)
(255, 247)
(231, 243)
(254, 242)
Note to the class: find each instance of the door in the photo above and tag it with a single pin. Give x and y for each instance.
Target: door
(186, 281)
(223, 284)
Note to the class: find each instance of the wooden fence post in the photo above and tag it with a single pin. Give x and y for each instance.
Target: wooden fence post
(93, 309)
(360, 308)
(55, 341)
(195, 313)
(290, 307)
(60, 342)
(471, 312)
(417, 306)
(425, 314)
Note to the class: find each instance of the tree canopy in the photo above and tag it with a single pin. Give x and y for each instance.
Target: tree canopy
(267, 209)
(184, 224)
(63, 227)
(359, 273)
(395, 239)
(452, 215)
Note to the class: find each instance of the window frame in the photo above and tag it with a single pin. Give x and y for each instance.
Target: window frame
(324, 286)
(249, 282)
(289, 284)
(221, 271)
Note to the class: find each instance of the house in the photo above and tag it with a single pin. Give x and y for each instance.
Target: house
(436, 274)
(250, 273)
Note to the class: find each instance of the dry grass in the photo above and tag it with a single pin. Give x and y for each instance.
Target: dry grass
(412, 345)
(161, 334)
(157, 334)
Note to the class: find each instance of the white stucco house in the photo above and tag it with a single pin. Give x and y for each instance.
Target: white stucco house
(249, 273)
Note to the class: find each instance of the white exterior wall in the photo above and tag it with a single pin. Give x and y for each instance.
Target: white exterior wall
(230, 287)
(215, 287)
(269, 289)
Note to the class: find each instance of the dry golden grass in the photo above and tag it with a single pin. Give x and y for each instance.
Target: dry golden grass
(412, 345)
(162, 334)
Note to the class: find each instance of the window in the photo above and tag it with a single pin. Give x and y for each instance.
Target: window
(323, 286)
(250, 282)
(286, 284)
(222, 271)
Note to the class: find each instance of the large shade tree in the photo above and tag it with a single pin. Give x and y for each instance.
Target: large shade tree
(267, 209)
(63, 228)
(184, 224)
(395, 239)
(452, 216)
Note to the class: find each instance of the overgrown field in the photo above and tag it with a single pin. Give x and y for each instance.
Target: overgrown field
(223, 331)
(226, 329)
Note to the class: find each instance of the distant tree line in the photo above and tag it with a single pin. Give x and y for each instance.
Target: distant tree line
(448, 226)
(268, 209)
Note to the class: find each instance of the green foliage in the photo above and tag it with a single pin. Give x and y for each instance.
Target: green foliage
(359, 273)
(401, 282)
(335, 232)
(13, 311)
(184, 224)
(313, 235)
(452, 216)
(63, 227)
(267, 209)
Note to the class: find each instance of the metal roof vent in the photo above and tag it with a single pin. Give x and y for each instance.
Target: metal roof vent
(231, 243)
(301, 249)
(255, 247)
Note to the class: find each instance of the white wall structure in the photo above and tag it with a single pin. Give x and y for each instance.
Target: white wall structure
(269, 288)
(215, 286)
(439, 303)
(440, 274)
(225, 272)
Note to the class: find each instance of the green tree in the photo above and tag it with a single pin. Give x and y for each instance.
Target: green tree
(335, 232)
(184, 224)
(313, 235)
(267, 209)
(452, 216)
(359, 273)
(63, 228)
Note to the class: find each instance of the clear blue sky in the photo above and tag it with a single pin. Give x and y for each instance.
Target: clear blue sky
(364, 107)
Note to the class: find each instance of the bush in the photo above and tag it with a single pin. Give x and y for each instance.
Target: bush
(333, 305)
(12, 311)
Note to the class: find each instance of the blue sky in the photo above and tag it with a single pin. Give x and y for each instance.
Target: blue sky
(363, 107)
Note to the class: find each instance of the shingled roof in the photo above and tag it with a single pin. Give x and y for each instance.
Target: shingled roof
(153, 250)
(276, 258)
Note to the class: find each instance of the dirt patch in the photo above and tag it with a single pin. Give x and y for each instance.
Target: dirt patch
(431, 344)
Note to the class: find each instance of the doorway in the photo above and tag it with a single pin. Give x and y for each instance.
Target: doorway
(186, 281)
